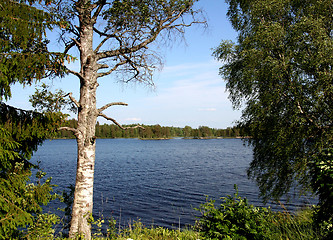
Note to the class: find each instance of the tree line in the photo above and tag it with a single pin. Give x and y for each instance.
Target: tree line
(152, 131)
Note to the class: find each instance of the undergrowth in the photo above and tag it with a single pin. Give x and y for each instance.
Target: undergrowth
(233, 219)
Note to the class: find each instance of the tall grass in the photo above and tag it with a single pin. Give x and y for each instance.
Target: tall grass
(298, 226)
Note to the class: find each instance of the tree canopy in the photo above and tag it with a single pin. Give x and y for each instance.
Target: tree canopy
(280, 70)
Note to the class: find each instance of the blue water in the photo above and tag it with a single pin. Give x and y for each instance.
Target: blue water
(158, 182)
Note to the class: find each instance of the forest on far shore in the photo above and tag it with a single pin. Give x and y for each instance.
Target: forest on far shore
(153, 131)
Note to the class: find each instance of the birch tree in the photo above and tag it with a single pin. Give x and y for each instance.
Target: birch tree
(281, 71)
(113, 38)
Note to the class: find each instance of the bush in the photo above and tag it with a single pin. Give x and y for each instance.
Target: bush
(234, 219)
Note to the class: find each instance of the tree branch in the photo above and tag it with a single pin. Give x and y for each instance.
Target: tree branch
(126, 50)
(74, 130)
(72, 44)
(74, 73)
(73, 99)
(111, 70)
(100, 4)
(111, 104)
(115, 122)
(107, 37)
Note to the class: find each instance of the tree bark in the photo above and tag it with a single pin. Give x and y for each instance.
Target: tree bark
(87, 117)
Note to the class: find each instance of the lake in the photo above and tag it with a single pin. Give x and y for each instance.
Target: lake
(156, 181)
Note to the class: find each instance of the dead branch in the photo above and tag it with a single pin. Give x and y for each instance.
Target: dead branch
(102, 74)
(72, 44)
(74, 130)
(111, 104)
(115, 122)
(72, 99)
(74, 73)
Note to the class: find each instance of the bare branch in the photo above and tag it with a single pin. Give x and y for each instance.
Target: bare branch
(165, 24)
(71, 44)
(100, 5)
(74, 73)
(111, 104)
(74, 130)
(102, 43)
(126, 50)
(115, 122)
(73, 99)
(107, 37)
(101, 66)
(111, 70)
(76, 41)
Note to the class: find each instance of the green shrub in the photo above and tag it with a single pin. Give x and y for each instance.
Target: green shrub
(234, 219)
(42, 227)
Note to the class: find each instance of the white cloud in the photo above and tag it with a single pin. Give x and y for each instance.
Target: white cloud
(134, 119)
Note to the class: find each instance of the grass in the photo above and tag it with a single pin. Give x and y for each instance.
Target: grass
(138, 231)
(298, 226)
(282, 226)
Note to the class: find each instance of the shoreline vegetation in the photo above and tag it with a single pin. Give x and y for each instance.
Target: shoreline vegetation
(154, 132)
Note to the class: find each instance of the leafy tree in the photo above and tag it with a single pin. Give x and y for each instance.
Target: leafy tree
(187, 131)
(112, 37)
(281, 70)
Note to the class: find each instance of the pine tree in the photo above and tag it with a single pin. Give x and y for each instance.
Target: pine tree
(24, 58)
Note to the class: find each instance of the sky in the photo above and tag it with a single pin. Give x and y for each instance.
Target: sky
(189, 90)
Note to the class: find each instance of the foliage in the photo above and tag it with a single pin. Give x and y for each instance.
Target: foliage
(45, 100)
(235, 218)
(20, 201)
(281, 70)
(21, 132)
(138, 231)
(323, 183)
(24, 56)
(112, 231)
(42, 227)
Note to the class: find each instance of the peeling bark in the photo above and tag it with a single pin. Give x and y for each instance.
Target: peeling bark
(87, 117)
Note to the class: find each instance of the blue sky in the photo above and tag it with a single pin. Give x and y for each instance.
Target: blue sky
(188, 91)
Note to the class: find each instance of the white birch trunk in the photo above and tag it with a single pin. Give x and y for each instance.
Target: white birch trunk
(87, 116)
